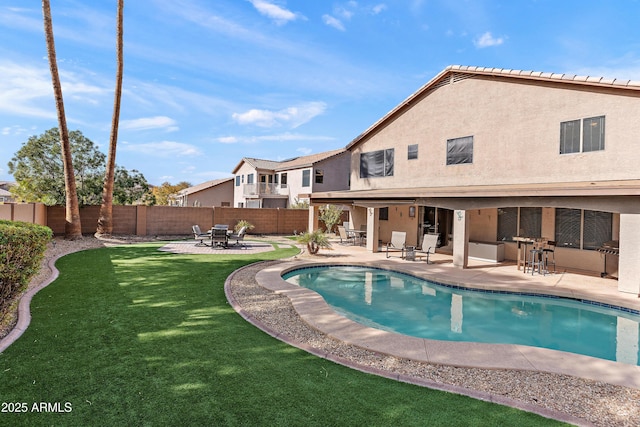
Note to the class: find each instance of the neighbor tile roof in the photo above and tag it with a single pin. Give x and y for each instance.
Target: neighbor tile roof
(294, 163)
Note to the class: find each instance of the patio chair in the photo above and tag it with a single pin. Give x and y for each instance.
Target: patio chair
(239, 237)
(219, 237)
(397, 243)
(429, 244)
(344, 236)
(199, 235)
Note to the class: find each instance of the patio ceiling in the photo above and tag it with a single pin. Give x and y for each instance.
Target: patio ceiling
(613, 196)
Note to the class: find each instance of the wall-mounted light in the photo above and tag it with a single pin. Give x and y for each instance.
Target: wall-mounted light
(412, 211)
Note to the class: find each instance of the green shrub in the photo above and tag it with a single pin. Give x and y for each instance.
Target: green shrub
(22, 247)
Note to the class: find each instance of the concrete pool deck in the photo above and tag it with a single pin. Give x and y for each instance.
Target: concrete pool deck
(480, 275)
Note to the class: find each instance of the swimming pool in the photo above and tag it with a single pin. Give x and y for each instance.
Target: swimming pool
(404, 304)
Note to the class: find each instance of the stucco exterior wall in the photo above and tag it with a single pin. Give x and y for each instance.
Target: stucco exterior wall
(238, 191)
(516, 131)
(214, 196)
(336, 173)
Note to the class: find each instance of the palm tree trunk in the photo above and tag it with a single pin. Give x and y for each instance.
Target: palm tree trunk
(72, 228)
(105, 219)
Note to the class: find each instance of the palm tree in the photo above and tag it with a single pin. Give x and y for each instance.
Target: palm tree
(73, 227)
(105, 219)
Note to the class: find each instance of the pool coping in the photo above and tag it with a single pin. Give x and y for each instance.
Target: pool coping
(313, 310)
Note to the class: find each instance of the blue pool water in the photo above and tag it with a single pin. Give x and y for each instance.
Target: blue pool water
(408, 305)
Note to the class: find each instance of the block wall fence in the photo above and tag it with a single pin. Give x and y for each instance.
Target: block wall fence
(161, 220)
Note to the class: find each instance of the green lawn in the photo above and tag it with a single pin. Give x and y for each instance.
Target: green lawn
(133, 336)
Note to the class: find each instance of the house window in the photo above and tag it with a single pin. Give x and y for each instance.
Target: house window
(306, 177)
(250, 178)
(383, 214)
(237, 180)
(319, 176)
(590, 134)
(568, 227)
(460, 150)
(243, 179)
(583, 229)
(507, 224)
(597, 229)
(283, 179)
(593, 134)
(523, 222)
(275, 178)
(376, 163)
(412, 152)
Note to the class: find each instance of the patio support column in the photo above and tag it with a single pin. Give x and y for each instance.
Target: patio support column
(460, 238)
(372, 229)
(314, 213)
(629, 260)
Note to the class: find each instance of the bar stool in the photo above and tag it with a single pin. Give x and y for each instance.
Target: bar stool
(536, 260)
(549, 254)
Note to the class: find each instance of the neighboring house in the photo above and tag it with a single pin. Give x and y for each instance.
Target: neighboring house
(279, 184)
(218, 192)
(5, 194)
(485, 155)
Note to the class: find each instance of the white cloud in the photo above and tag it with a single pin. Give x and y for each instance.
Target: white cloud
(379, 8)
(282, 137)
(487, 40)
(291, 117)
(279, 14)
(163, 149)
(333, 22)
(157, 122)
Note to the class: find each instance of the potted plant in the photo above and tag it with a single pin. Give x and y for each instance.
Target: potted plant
(243, 223)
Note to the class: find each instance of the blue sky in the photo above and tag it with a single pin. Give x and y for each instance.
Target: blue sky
(209, 82)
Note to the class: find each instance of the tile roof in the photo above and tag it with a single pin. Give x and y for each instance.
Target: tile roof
(204, 186)
(294, 163)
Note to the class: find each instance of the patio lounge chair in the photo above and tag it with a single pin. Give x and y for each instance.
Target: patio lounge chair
(344, 236)
(219, 237)
(397, 243)
(239, 237)
(199, 235)
(429, 244)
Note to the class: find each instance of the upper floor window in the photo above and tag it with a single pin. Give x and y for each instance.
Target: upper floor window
(460, 150)
(306, 177)
(376, 163)
(250, 178)
(237, 180)
(319, 179)
(412, 152)
(575, 138)
(283, 179)
(275, 178)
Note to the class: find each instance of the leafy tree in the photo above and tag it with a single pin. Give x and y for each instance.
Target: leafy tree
(38, 171)
(165, 190)
(300, 204)
(130, 187)
(105, 219)
(330, 215)
(73, 227)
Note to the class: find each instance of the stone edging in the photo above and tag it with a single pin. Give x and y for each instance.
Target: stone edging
(24, 307)
(476, 394)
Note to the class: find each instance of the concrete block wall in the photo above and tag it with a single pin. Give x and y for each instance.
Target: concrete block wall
(161, 220)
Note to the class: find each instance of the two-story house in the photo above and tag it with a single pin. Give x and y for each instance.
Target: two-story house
(494, 155)
(218, 192)
(280, 184)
